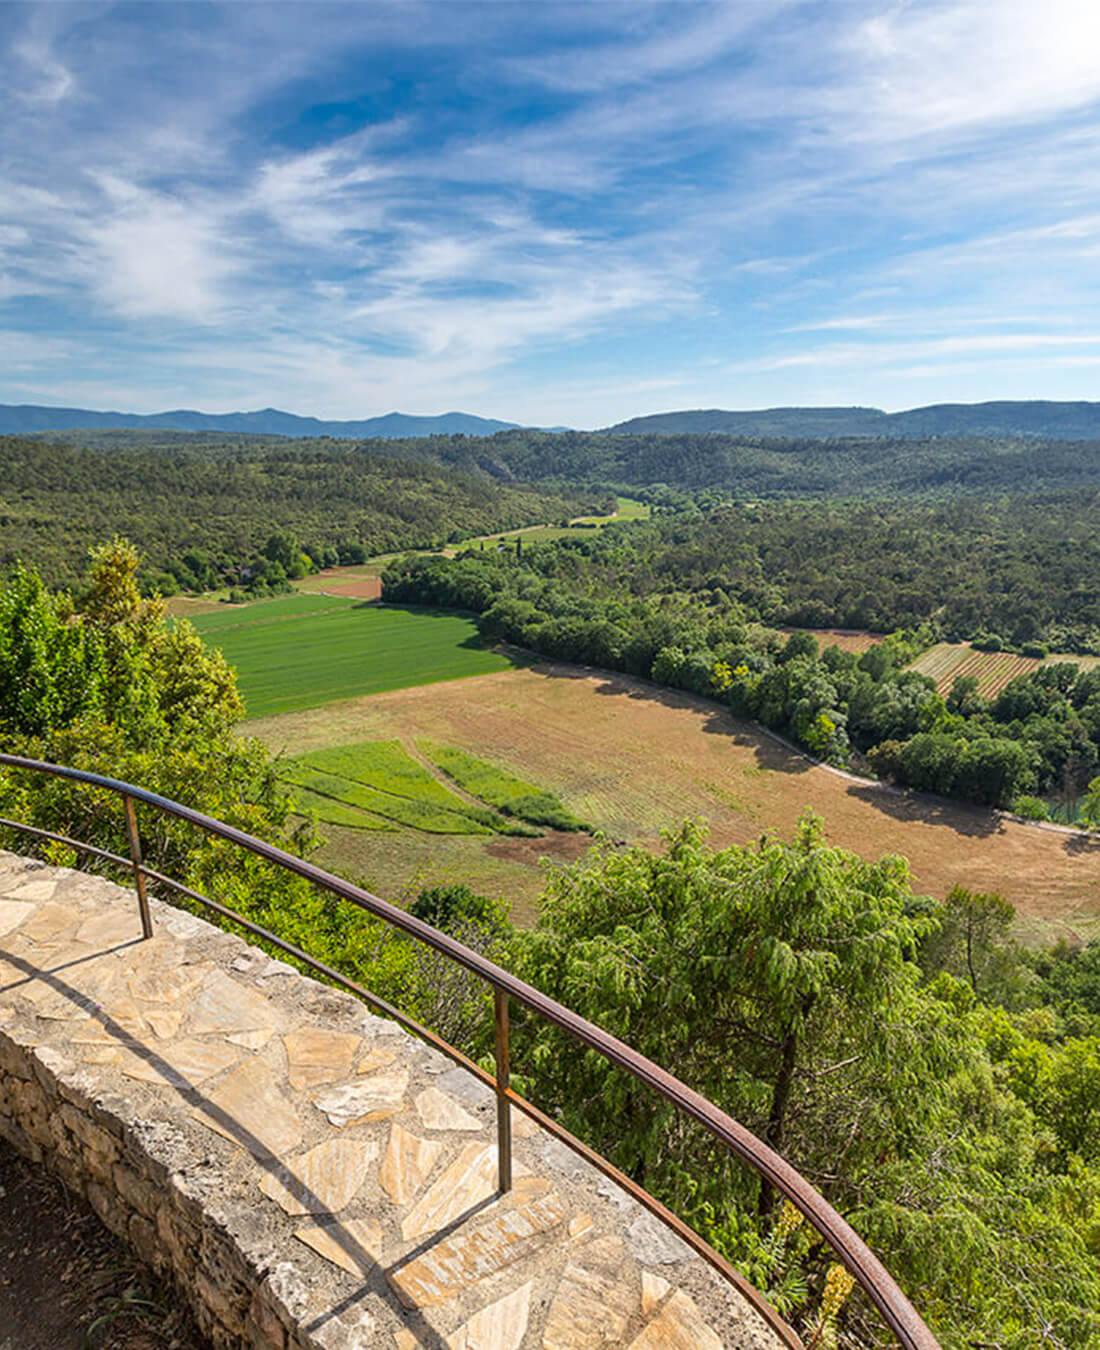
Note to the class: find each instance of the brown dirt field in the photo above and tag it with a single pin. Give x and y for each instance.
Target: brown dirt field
(847, 639)
(368, 588)
(634, 758)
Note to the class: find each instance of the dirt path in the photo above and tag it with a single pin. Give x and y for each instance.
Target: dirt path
(66, 1283)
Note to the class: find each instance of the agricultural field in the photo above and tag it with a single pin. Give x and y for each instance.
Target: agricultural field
(302, 651)
(847, 639)
(384, 785)
(632, 759)
(946, 661)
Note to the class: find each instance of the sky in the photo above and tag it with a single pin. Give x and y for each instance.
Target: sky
(549, 213)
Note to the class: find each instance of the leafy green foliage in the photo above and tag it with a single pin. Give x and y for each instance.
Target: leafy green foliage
(679, 601)
(780, 981)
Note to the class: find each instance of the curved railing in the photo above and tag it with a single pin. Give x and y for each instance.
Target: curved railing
(869, 1272)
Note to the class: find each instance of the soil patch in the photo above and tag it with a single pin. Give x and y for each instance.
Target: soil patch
(66, 1283)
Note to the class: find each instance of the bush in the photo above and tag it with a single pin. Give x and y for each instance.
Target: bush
(1031, 808)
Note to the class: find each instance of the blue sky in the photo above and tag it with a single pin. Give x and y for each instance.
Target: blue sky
(554, 213)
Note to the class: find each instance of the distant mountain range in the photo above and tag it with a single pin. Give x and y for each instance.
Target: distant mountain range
(1033, 418)
(23, 418)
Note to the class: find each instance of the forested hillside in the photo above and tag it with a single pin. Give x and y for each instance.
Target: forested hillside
(221, 505)
(664, 466)
(681, 600)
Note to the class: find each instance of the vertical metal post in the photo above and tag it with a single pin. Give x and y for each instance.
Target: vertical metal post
(504, 1109)
(135, 860)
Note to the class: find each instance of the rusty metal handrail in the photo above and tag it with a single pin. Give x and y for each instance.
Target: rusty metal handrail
(872, 1276)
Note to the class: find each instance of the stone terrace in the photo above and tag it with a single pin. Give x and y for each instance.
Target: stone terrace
(310, 1174)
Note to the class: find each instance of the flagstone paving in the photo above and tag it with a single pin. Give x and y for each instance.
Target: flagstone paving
(358, 1165)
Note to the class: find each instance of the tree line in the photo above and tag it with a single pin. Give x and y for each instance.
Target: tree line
(649, 600)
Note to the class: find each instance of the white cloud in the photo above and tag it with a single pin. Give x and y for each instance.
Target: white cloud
(158, 256)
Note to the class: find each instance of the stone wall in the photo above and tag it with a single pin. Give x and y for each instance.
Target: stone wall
(309, 1175)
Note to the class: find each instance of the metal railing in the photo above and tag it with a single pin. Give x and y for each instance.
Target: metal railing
(869, 1272)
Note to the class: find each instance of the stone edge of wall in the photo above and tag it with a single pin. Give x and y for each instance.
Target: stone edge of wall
(128, 1169)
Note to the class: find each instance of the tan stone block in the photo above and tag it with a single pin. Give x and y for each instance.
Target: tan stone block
(111, 928)
(36, 891)
(580, 1225)
(265, 1325)
(355, 1245)
(227, 1311)
(226, 1007)
(438, 1111)
(188, 1061)
(500, 1326)
(248, 1108)
(143, 1238)
(316, 1056)
(137, 1191)
(324, 1180)
(374, 1098)
(407, 1164)
(168, 983)
(523, 1127)
(50, 921)
(653, 1291)
(478, 1251)
(679, 1327)
(375, 1059)
(165, 1022)
(594, 1300)
(470, 1179)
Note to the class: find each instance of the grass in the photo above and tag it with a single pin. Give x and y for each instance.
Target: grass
(333, 812)
(345, 792)
(388, 766)
(509, 794)
(303, 651)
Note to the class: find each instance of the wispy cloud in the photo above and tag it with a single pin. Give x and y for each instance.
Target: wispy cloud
(453, 203)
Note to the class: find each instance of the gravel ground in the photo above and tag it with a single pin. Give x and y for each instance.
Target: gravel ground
(66, 1283)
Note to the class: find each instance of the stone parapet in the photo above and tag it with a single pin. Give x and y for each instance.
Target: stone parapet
(309, 1175)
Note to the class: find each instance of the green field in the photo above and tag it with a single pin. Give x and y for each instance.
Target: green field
(501, 789)
(389, 768)
(302, 651)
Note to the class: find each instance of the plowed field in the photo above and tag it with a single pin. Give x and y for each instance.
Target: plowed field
(634, 758)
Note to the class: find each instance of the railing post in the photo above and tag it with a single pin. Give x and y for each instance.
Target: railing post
(135, 860)
(504, 1109)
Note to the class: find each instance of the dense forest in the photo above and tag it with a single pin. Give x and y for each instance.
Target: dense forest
(741, 467)
(691, 599)
(938, 1084)
(203, 513)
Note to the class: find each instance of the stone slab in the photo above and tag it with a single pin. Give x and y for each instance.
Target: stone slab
(248, 1108)
(679, 1327)
(373, 1098)
(500, 1326)
(316, 1056)
(439, 1111)
(355, 1245)
(594, 1302)
(407, 1164)
(476, 1252)
(324, 1180)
